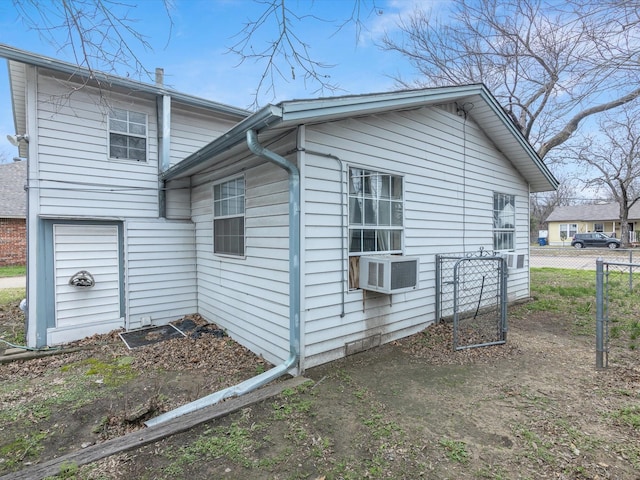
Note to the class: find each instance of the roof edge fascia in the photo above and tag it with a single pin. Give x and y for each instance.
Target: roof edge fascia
(22, 56)
(295, 111)
(266, 117)
(515, 131)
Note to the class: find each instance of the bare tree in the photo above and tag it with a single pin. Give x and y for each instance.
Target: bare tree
(284, 53)
(543, 203)
(101, 34)
(611, 162)
(551, 64)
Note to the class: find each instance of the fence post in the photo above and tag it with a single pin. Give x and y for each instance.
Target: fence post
(630, 270)
(599, 313)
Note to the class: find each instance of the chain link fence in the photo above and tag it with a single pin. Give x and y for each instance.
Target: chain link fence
(472, 293)
(578, 259)
(617, 276)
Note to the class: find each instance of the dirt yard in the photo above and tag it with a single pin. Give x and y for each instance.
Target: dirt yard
(533, 408)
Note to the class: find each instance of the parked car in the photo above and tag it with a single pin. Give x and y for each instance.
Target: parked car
(595, 239)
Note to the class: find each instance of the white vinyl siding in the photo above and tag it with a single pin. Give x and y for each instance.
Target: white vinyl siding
(192, 129)
(75, 175)
(161, 271)
(249, 296)
(448, 208)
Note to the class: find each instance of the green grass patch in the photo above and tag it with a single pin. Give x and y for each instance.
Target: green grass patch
(572, 294)
(629, 416)
(13, 271)
(22, 449)
(11, 295)
(455, 450)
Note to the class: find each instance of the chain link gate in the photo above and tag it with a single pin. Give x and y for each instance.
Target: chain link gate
(472, 292)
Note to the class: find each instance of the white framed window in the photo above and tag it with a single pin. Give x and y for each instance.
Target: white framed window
(504, 221)
(127, 135)
(376, 212)
(598, 227)
(568, 230)
(228, 217)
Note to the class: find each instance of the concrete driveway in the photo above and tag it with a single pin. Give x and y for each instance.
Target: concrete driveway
(13, 282)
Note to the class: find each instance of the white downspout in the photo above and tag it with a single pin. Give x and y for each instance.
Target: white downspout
(294, 296)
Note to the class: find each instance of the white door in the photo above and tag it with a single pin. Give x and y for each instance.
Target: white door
(85, 311)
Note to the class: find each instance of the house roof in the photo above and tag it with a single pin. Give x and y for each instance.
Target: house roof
(588, 213)
(13, 198)
(17, 59)
(486, 112)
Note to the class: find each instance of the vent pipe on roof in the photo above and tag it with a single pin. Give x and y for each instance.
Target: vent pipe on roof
(160, 76)
(294, 296)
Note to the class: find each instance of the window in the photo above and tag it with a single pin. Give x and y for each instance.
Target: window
(375, 212)
(598, 227)
(228, 217)
(504, 221)
(568, 230)
(127, 135)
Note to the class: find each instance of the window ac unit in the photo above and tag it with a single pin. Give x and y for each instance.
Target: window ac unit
(389, 273)
(514, 260)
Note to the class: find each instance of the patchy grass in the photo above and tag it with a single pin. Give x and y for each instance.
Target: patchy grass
(13, 271)
(455, 450)
(525, 414)
(572, 294)
(11, 295)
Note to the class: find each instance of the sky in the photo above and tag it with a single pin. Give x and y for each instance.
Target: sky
(192, 47)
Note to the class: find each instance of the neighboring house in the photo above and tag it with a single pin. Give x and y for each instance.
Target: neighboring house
(565, 222)
(258, 222)
(13, 214)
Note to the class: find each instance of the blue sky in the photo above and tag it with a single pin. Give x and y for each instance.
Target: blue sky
(196, 61)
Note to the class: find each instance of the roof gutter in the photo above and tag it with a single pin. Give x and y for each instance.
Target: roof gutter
(294, 295)
(264, 118)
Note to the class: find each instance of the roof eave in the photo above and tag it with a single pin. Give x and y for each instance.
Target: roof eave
(11, 53)
(266, 117)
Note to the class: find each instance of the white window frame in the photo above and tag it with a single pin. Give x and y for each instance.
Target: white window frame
(132, 127)
(566, 227)
(504, 222)
(229, 213)
(375, 213)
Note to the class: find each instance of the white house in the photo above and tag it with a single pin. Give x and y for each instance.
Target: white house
(175, 205)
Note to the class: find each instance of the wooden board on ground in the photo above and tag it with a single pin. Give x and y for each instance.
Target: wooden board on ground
(152, 434)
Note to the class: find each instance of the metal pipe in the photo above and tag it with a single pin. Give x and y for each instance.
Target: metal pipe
(294, 296)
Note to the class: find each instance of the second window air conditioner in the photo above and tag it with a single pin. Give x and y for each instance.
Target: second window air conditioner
(515, 261)
(389, 273)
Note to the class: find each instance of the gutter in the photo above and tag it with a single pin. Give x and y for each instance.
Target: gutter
(294, 295)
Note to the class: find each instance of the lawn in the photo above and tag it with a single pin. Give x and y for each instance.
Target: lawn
(535, 407)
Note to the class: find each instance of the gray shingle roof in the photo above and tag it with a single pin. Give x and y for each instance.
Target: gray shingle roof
(13, 198)
(588, 213)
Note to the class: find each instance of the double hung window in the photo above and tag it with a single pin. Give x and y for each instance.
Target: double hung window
(228, 217)
(504, 221)
(568, 230)
(375, 212)
(127, 135)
